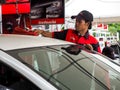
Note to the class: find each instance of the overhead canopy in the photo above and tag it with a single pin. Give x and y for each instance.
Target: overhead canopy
(101, 9)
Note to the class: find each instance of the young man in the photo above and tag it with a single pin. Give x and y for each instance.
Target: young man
(80, 35)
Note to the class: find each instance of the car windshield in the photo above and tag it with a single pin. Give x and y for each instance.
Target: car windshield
(69, 68)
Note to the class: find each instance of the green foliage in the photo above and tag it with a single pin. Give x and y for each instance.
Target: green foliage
(114, 27)
(94, 34)
(62, 27)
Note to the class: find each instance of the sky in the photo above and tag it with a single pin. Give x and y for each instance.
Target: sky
(99, 8)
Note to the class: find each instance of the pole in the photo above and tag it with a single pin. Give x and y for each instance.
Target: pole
(1, 20)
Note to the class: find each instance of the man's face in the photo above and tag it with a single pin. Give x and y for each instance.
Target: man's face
(81, 25)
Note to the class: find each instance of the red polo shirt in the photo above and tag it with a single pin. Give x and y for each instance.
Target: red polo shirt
(72, 36)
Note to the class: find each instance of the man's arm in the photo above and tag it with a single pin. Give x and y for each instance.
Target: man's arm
(58, 34)
(43, 33)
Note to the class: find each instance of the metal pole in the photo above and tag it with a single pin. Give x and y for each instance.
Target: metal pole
(118, 46)
(1, 20)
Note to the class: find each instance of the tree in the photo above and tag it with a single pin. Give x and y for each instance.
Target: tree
(114, 27)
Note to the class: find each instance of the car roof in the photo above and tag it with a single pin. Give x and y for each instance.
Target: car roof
(15, 41)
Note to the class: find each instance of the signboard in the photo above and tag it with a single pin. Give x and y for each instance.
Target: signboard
(16, 1)
(47, 12)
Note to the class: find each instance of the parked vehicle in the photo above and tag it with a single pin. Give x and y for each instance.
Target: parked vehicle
(116, 47)
(40, 63)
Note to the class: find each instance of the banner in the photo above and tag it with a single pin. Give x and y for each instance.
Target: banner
(102, 26)
(47, 12)
(20, 8)
(17, 1)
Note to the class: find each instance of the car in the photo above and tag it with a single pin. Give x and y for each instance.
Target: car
(116, 48)
(41, 63)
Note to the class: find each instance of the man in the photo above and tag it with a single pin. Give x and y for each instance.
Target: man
(80, 35)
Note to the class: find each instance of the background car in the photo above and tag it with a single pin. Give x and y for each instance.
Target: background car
(116, 47)
(40, 63)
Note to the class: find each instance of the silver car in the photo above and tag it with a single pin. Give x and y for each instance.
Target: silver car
(40, 63)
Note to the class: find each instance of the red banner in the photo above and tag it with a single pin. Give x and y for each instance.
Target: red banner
(102, 26)
(16, 9)
(105, 26)
(16, 1)
(48, 21)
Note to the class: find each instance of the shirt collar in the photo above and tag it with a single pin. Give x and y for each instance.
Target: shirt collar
(86, 34)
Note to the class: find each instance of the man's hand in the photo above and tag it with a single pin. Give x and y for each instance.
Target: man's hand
(38, 31)
(44, 33)
(89, 46)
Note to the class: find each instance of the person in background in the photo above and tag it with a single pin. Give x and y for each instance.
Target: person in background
(109, 52)
(81, 33)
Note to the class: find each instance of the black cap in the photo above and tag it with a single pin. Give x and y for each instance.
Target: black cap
(86, 15)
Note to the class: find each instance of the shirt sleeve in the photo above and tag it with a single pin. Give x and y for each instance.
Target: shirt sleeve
(60, 35)
(95, 44)
(96, 47)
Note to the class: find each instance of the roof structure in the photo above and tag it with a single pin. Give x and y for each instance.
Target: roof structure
(105, 11)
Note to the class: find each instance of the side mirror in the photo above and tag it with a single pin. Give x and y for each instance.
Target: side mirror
(73, 49)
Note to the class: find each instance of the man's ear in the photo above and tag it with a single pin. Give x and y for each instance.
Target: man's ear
(88, 23)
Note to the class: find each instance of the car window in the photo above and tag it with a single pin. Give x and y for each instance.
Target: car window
(12, 80)
(69, 71)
